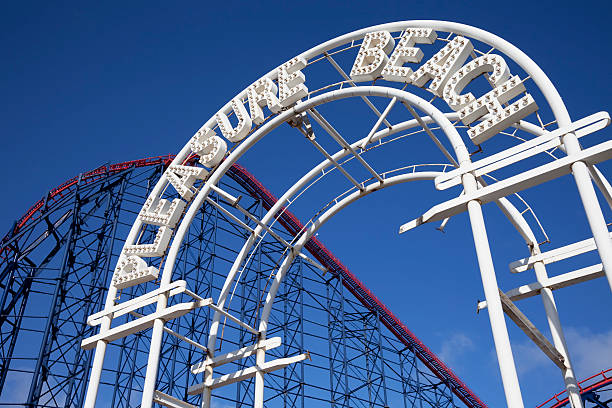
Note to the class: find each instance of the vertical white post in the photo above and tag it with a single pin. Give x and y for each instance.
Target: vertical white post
(260, 359)
(96, 369)
(210, 353)
(571, 385)
(591, 206)
(153, 361)
(507, 368)
(207, 392)
(96, 372)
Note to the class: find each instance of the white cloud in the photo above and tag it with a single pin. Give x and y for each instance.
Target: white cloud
(528, 357)
(453, 347)
(590, 352)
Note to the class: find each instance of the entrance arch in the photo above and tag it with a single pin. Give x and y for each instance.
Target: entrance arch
(510, 103)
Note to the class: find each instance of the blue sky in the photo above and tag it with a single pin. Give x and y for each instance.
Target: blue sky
(83, 84)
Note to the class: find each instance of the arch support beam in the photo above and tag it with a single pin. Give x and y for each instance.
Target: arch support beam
(594, 215)
(491, 291)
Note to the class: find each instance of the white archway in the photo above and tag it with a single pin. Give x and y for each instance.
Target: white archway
(212, 149)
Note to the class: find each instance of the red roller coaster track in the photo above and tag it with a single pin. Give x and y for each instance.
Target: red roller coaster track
(314, 246)
(592, 383)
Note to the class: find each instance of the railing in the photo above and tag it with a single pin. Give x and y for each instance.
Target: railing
(593, 382)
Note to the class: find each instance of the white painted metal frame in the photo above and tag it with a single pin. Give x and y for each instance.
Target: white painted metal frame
(500, 332)
(522, 181)
(581, 171)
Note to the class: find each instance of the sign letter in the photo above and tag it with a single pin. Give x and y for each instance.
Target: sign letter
(260, 94)
(372, 56)
(500, 117)
(183, 177)
(235, 134)
(407, 52)
(210, 147)
(441, 66)
(132, 270)
(291, 82)
(494, 64)
(157, 248)
(161, 212)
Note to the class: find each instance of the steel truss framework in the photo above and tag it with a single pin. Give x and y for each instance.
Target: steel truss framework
(57, 259)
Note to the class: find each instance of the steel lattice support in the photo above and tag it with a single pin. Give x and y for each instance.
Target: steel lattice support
(338, 358)
(57, 285)
(58, 264)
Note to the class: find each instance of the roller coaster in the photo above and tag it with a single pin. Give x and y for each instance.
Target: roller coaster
(182, 281)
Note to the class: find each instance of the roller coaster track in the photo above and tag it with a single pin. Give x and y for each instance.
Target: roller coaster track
(592, 383)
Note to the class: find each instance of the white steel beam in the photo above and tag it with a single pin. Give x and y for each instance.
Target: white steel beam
(279, 238)
(342, 142)
(225, 195)
(531, 331)
(337, 67)
(245, 374)
(313, 262)
(511, 185)
(126, 307)
(554, 255)
(177, 335)
(553, 283)
(382, 117)
(524, 150)
(507, 368)
(232, 318)
(602, 183)
(556, 331)
(243, 224)
(433, 137)
(229, 214)
(244, 352)
(268, 229)
(144, 323)
(335, 163)
(262, 225)
(186, 339)
(168, 401)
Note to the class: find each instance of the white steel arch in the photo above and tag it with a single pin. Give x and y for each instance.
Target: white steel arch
(432, 115)
(579, 168)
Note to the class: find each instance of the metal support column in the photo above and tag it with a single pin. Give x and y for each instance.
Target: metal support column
(40, 370)
(591, 206)
(554, 323)
(494, 306)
